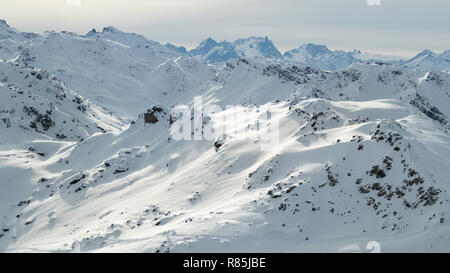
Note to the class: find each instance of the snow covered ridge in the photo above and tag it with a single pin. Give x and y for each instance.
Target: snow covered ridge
(90, 160)
(429, 92)
(33, 100)
(211, 51)
(317, 56)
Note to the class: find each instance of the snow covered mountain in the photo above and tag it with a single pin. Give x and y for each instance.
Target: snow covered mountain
(11, 40)
(372, 57)
(108, 67)
(313, 55)
(362, 153)
(7, 32)
(320, 57)
(34, 102)
(428, 91)
(428, 60)
(253, 47)
(210, 51)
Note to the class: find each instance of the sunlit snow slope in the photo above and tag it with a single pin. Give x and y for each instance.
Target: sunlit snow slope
(363, 153)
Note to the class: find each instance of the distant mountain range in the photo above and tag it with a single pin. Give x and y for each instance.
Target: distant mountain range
(317, 56)
(262, 48)
(253, 47)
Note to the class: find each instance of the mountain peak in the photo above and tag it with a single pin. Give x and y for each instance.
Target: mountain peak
(257, 46)
(4, 25)
(8, 32)
(106, 30)
(426, 52)
(428, 60)
(91, 32)
(111, 29)
(208, 42)
(319, 56)
(125, 38)
(179, 49)
(315, 49)
(204, 47)
(253, 46)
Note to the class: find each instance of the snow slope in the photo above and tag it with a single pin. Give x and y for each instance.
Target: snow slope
(33, 100)
(109, 67)
(11, 40)
(428, 91)
(362, 155)
(38, 115)
(312, 192)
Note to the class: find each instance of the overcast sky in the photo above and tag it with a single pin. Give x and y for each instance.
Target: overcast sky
(400, 27)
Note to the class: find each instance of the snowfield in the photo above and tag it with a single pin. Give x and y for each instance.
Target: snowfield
(362, 151)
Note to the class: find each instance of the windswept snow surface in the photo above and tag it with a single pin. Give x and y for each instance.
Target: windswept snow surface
(362, 154)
